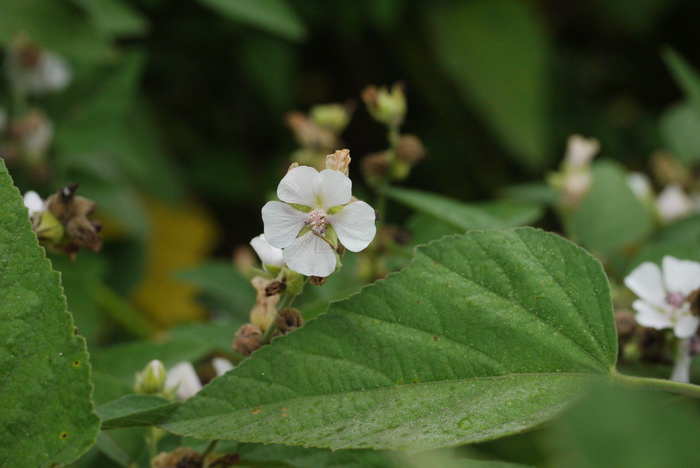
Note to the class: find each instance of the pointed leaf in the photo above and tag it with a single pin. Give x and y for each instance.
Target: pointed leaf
(496, 52)
(45, 390)
(485, 334)
(498, 214)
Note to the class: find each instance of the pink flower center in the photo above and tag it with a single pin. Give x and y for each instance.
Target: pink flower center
(675, 299)
(316, 220)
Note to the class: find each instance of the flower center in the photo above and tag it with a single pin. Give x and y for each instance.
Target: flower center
(316, 220)
(675, 299)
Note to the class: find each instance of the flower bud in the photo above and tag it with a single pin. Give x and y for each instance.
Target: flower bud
(309, 134)
(288, 320)
(271, 257)
(265, 308)
(410, 150)
(152, 379)
(248, 338)
(375, 167)
(183, 381)
(387, 107)
(339, 161)
(334, 117)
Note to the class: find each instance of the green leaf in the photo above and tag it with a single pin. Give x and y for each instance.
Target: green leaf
(617, 427)
(45, 395)
(114, 17)
(226, 286)
(484, 335)
(685, 75)
(275, 16)
(56, 25)
(486, 215)
(134, 411)
(680, 128)
(496, 52)
(610, 217)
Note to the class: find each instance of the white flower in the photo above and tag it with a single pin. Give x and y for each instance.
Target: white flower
(640, 185)
(580, 151)
(321, 201)
(34, 203)
(663, 295)
(268, 254)
(183, 377)
(185, 380)
(673, 203)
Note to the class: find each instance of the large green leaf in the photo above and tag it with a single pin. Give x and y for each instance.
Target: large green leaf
(496, 52)
(485, 334)
(275, 16)
(45, 391)
(485, 215)
(610, 217)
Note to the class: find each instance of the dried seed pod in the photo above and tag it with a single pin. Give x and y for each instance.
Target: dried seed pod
(182, 457)
(288, 319)
(248, 339)
(410, 149)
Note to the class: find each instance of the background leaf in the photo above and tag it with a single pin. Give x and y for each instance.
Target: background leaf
(45, 397)
(610, 217)
(484, 335)
(275, 16)
(483, 45)
(499, 214)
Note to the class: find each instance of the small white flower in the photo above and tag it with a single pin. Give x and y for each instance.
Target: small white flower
(183, 377)
(640, 185)
(268, 254)
(580, 151)
(322, 200)
(673, 203)
(663, 294)
(34, 203)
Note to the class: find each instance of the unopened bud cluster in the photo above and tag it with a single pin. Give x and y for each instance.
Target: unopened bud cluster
(318, 133)
(62, 223)
(388, 107)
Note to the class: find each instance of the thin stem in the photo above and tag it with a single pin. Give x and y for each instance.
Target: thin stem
(286, 301)
(660, 384)
(209, 448)
(123, 312)
(681, 369)
(152, 442)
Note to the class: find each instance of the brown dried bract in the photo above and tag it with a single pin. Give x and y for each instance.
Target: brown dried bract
(248, 339)
(318, 280)
(288, 320)
(274, 288)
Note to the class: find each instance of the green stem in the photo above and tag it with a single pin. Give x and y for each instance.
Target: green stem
(123, 312)
(209, 448)
(152, 442)
(660, 384)
(286, 301)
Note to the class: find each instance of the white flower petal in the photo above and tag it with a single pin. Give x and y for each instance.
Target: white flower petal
(268, 254)
(650, 316)
(298, 187)
(354, 225)
(645, 281)
(673, 203)
(333, 188)
(580, 151)
(221, 365)
(282, 223)
(310, 255)
(686, 326)
(681, 276)
(33, 202)
(185, 378)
